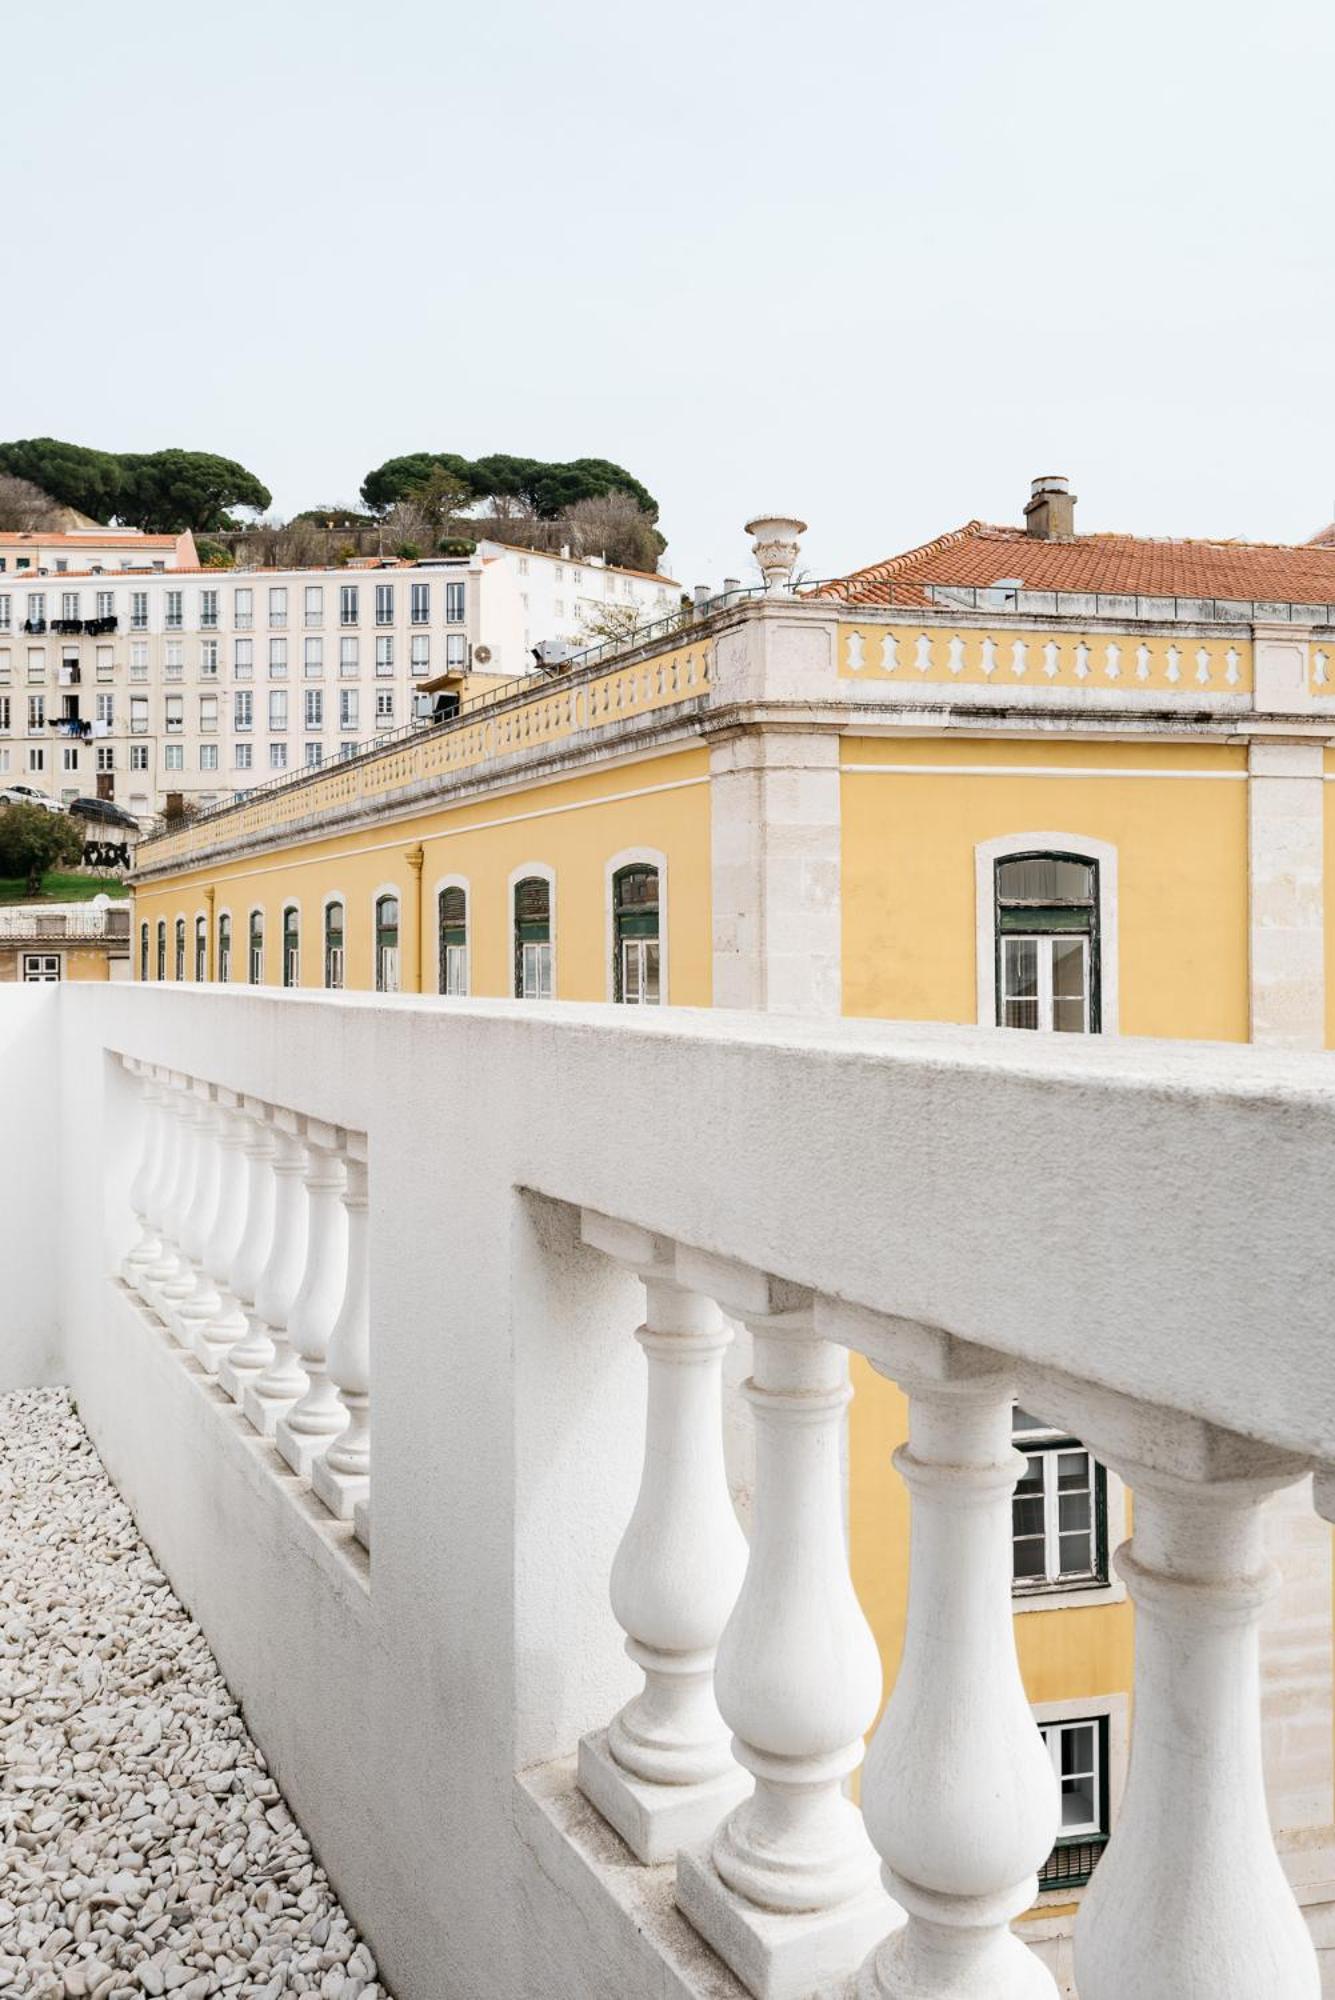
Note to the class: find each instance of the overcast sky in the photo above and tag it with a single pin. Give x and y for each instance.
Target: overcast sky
(875, 264)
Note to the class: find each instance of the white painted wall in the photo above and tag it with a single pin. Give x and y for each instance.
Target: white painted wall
(34, 1228)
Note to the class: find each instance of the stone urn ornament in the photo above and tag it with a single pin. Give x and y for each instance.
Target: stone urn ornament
(776, 547)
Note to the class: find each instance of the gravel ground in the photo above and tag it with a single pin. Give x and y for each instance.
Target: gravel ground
(144, 1848)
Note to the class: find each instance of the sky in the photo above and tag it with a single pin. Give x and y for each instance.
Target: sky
(875, 265)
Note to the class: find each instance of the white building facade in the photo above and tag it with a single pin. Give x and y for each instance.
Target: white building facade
(138, 685)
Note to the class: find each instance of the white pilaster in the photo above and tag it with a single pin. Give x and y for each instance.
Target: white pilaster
(318, 1415)
(1286, 849)
(662, 1773)
(341, 1478)
(787, 1891)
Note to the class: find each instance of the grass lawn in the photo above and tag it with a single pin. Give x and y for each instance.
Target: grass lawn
(63, 889)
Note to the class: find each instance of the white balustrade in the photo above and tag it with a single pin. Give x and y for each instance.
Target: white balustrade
(788, 1892)
(958, 1792)
(252, 1353)
(226, 1324)
(1197, 1572)
(193, 1111)
(278, 1385)
(341, 1477)
(318, 1415)
(164, 1194)
(663, 1772)
(148, 1246)
(202, 1301)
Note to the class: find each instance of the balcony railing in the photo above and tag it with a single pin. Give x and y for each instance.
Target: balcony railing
(500, 1250)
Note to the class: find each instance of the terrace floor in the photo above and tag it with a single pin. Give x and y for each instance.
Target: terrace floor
(144, 1847)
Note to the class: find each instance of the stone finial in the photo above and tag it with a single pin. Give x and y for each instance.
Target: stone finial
(776, 547)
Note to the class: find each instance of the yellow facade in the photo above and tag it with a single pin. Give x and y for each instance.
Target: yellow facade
(916, 799)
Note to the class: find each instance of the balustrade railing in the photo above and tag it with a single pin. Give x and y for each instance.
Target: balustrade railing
(252, 1250)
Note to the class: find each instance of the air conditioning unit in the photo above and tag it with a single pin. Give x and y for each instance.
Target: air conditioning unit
(482, 654)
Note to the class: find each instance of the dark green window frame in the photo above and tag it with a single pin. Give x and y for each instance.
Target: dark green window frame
(1074, 1857)
(162, 948)
(291, 945)
(143, 954)
(533, 920)
(178, 959)
(1014, 916)
(334, 920)
(224, 948)
(636, 905)
(386, 937)
(452, 923)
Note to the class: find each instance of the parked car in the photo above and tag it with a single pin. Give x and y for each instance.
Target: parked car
(104, 811)
(28, 795)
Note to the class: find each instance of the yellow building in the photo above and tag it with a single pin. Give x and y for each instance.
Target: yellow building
(1016, 776)
(50, 941)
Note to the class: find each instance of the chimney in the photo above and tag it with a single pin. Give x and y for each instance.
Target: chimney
(1050, 510)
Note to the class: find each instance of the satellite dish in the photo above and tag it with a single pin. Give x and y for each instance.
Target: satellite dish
(102, 902)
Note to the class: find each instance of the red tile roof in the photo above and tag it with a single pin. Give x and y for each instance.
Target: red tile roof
(977, 555)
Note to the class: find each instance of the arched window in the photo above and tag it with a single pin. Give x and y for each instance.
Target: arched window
(201, 950)
(333, 946)
(533, 938)
(635, 963)
(1047, 932)
(291, 946)
(257, 947)
(452, 910)
(143, 952)
(224, 948)
(162, 948)
(179, 972)
(387, 944)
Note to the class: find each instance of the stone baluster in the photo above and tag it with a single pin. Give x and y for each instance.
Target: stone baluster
(341, 1478)
(147, 1247)
(318, 1415)
(195, 1111)
(787, 1892)
(958, 1793)
(662, 1773)
(226, 1325)
(276, 1388)
(254, 1350)
(202, 1301)
(1215, 1911)
(173, 1187)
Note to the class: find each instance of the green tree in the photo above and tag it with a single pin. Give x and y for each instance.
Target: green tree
(73, 474)
(163, 492)
(397, 478)
(33, 840)
(547, 489)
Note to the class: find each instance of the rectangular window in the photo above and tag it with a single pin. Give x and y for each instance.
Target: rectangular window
(456, 650)
(139, 722)
(313, 604)
(6, 612)
(315, 708)
(174, 713)
(384, 604)
(106, 757)
(6, 668)
(208, 714)
(277, 659)
(243, 609)
(173, 659)
(419, 603)
(69, 604)
(1045, 983)
(384, 705)
(139, 751)
(314, 755)
(454, 603)
(173, 610)
(348, 657)
(41, 967)
(314, 659)
(1059, 1513)
(36, 714)
(208, 659)
(106, 604)
(4, 714)
(138, 659)
(278, 756)
(420, 653)
(242, 756)
(104, 709)
(208, 756)
(1079, 1753)
(1047, 943)
(278, 605)
(139, 611)
(36, 663)
(208, 610)
(384, 654)
(278, 708)
(348, 602)
(37, 610)
(69, 757)
(243, 709)
(536, 972)
(349, 708)
(173, 757)
(106, 663)
(36, 758)
(243, 658)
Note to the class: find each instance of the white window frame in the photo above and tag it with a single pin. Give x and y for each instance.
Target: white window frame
(630, 857)
(986, 855)
(1069, 1591)
(1115, 1710)
(1043, 942)
(42, 968)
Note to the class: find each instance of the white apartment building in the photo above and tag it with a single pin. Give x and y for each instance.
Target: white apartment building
(27, 552)
(142, 684)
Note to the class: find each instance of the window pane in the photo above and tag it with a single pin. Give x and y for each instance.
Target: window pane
(1028, 1559)
(1068, 985)
(1042, 878)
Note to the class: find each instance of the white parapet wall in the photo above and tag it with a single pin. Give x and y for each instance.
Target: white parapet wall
(831, 1184)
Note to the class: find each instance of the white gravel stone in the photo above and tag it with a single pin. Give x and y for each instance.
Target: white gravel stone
(144, 1848)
